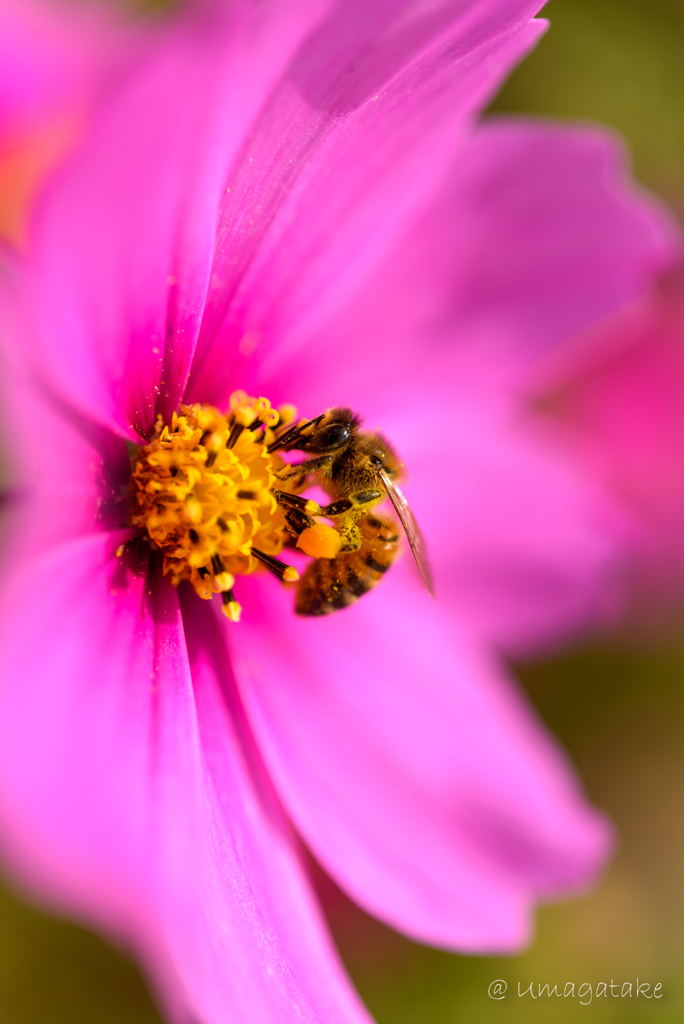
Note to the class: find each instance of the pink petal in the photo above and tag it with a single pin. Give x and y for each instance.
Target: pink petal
(65, 474)
(351, 144)
(536, 235)
(130, 789)
(553, 237)
(526, 548)
(422, 784)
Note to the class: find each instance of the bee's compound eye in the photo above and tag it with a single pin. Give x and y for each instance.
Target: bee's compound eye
(334, 435)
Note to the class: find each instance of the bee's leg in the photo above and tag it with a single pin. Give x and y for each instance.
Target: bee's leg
(298, 521)
(354, 501)
(296, 501)
(351, 535)
(298, 511)
(350, 510)
(299, 471)
(331, 511)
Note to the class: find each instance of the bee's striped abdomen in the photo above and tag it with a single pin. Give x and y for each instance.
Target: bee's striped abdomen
(332, 583)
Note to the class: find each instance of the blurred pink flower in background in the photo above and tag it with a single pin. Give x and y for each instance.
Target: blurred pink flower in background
(292, 198)
(53, 60)
(619, 407)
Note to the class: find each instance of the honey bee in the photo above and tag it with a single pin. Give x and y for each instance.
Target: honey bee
(358, 470)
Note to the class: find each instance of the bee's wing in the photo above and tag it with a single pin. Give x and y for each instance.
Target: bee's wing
(415, 537)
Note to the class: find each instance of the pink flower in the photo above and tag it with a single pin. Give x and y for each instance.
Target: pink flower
(290, 198)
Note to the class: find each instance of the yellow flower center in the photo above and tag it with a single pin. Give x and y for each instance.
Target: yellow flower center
(201, 489)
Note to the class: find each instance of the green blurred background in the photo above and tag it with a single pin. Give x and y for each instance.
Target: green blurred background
(618, 708)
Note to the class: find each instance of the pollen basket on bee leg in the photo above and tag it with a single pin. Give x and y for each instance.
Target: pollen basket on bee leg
(202, 492)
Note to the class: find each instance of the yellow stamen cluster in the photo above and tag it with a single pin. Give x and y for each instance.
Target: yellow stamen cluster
(201, 489)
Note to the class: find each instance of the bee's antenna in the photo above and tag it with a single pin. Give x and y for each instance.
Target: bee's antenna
(293, 434)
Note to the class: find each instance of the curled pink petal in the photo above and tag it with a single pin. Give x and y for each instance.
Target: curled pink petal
(347, 167)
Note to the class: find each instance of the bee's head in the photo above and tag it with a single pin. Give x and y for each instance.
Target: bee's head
(332, 433)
